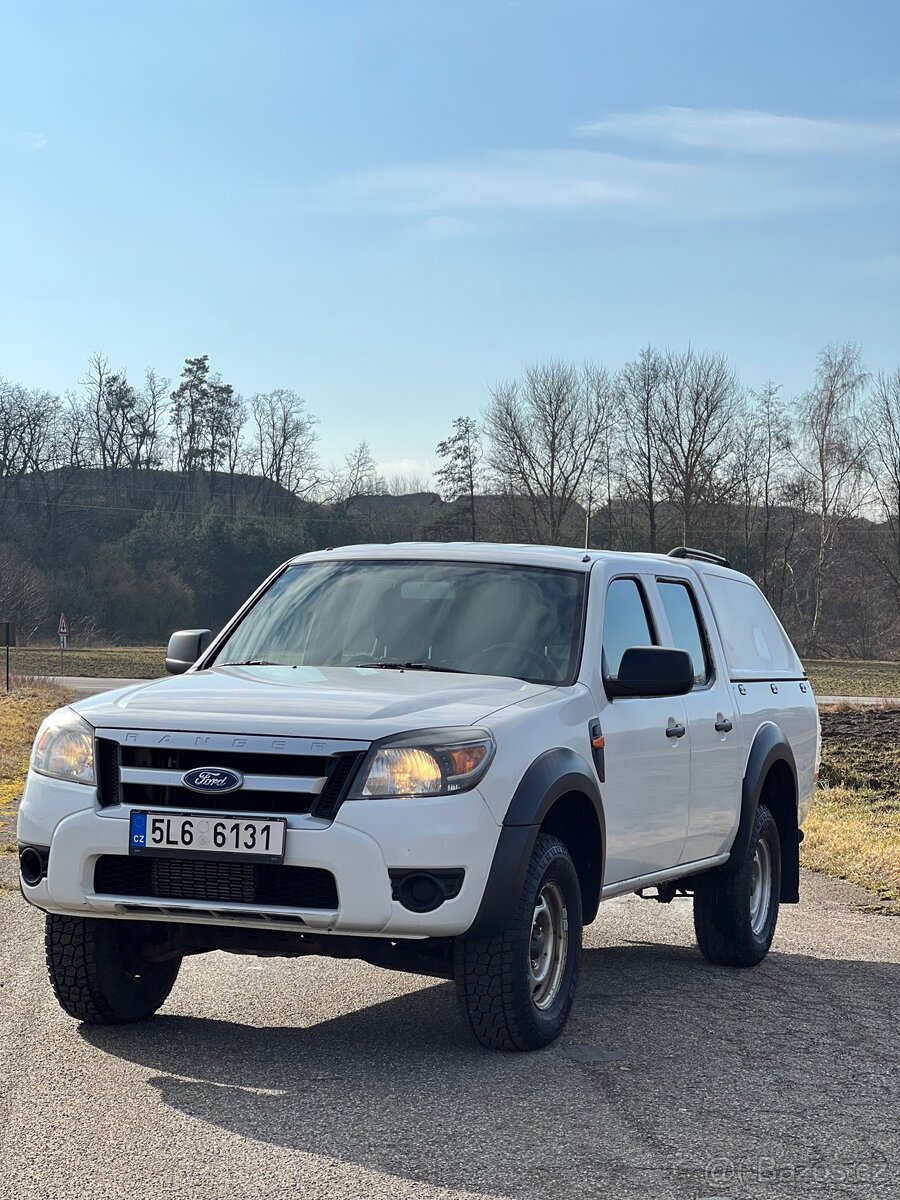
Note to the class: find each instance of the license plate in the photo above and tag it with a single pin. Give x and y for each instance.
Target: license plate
(207, 835)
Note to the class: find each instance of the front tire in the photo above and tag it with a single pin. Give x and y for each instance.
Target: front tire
(735, 912)
(100, 971)
(515, 989)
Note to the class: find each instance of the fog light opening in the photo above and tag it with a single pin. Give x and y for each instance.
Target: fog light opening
(32, 865)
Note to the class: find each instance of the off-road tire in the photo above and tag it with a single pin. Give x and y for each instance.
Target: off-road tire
(98, 972)
(722, 904)
(493, 985)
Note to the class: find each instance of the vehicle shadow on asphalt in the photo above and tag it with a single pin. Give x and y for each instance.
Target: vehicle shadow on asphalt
(667, 1065)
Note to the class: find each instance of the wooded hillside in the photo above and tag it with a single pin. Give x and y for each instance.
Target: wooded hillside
(138, 508)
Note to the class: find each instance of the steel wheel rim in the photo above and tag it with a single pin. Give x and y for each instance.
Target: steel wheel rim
(760, 887)
(548, 945)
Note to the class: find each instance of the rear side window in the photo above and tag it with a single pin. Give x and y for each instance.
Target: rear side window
(684, 622)
(625, 623)
(752, 634)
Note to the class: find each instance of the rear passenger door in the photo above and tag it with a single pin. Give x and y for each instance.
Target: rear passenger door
(713, 725)
(646, 755)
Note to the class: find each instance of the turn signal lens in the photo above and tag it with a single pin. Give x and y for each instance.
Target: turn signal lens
(436, 762)
(467, 759)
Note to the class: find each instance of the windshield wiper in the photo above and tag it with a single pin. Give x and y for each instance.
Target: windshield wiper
(415, 666)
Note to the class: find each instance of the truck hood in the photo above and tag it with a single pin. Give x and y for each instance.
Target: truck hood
(339, 702)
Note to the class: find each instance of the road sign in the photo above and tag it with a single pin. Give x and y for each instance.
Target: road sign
(63, 630)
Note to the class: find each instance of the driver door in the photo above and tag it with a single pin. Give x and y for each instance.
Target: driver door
(646, 792)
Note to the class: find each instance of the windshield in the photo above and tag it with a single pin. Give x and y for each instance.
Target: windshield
(485, 619)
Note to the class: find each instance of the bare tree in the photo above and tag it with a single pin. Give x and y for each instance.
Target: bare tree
(831, 455)
(357, 476)
(699, 398)
(760, 458)
(23, 591)
(284, 441)
(883, 420)
(403, 483)
(123, 422)
(638, 392)
(547, 434)
(147, 421)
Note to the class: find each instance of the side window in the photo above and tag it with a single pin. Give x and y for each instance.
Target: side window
(625, 623)
(684, 621)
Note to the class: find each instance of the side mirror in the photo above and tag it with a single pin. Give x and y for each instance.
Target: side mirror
(185, 647)
(652, 671)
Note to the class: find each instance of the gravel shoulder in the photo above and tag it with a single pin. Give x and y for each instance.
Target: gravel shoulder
(314, 1078)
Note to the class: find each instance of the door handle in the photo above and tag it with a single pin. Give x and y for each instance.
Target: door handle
(723, 725)
(675, 731)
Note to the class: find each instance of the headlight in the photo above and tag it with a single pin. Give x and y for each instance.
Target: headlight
(435, 762)
(64, 748)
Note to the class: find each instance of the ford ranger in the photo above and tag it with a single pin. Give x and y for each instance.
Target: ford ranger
(435, 758)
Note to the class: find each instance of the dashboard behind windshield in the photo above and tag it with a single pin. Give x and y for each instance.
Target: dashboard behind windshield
(476, 618)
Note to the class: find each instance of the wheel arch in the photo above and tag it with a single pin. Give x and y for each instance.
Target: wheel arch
(557, 794)
(770, 777)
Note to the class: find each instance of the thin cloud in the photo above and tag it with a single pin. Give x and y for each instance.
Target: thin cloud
(414, 470)
(746, 131)
(561, 180)
(543, 179)
(23, 140)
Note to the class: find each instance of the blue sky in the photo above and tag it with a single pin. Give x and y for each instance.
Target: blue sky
(389, 205)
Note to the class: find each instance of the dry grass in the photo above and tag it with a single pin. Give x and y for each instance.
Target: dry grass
(21, 712)
(853, 831)
(848, 837)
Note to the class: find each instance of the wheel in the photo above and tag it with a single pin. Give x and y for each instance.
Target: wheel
(735, 913)
(515, 989)
(100, 971)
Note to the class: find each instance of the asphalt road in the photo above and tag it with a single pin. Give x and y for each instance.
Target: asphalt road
(314, 1078)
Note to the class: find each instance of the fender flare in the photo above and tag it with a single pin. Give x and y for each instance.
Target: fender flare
(551, 775)
(770, 746)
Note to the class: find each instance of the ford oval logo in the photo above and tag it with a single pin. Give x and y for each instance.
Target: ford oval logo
(212, 779)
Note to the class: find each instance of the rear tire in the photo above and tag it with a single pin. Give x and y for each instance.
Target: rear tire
(735, 911)
(515, 989)
(100, 972)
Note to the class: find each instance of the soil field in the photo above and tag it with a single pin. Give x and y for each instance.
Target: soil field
(21, 712)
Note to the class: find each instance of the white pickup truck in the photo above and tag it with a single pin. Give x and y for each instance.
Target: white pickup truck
(436, 758)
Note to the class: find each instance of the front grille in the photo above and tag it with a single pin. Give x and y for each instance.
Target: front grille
(332, 795)
(107, 754)
(148, 795)
(217, 882)
(115, 758)
(173, 758)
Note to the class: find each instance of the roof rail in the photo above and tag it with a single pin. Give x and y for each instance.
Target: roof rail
(700, 555)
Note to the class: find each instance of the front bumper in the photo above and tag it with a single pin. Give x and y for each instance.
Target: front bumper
(366, 840)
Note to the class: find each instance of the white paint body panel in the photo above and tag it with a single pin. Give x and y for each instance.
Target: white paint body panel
(669, 803)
